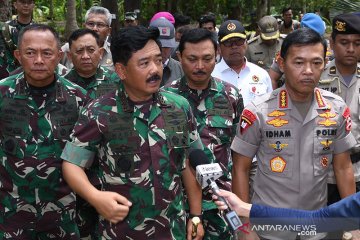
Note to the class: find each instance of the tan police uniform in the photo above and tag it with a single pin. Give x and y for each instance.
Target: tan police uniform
(331, 80)
(261, 54)
(294, 154)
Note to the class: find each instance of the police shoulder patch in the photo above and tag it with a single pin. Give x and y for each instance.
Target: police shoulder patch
(346, 115)
(247, 119)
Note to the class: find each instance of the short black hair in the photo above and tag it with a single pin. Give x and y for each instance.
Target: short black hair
(207, 18)
(41, 28)
(82, 32)
(302, 37)
(181, 20)
(129, 40)
(196, 35)
(285, 9)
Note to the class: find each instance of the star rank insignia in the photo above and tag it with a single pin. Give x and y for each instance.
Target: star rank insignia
(277, 122)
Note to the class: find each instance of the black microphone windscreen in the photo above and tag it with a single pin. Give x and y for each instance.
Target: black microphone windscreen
(197, 157)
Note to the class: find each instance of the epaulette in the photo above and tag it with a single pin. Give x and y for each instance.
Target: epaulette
(254, 39)
(329, 94)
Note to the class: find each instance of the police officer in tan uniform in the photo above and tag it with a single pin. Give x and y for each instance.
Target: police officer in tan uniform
(342, 77)
(263, 48)
(296, 133)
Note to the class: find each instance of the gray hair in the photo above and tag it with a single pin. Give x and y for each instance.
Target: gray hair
(99, 10)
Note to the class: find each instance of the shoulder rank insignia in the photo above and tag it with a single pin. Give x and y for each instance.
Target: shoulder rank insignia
(278, 146)
(247, 119)
(277, 164)
(346, 115)
(324, 161)
(327, 122)
(327, 114)
(319, 98)
(326, 143)
(277, 122)
(276, 113)
(283, 100)
(332, 70)
(255, 78)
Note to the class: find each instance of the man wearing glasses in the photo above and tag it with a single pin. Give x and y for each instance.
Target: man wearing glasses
(97, 19)
(250, 79)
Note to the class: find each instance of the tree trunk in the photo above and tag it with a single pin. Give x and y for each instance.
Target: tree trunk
(261, 8)
(5, 10)
(131, 5)
(71, 24)
(112, 6)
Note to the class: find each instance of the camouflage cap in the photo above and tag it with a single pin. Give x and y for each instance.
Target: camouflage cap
(269, 28)
(347, 23)
(230, 29)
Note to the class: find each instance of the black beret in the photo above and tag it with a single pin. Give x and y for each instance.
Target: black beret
(347, 23)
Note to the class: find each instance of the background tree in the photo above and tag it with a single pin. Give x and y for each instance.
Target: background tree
(5, 10)
(113, 8)
(71, 23)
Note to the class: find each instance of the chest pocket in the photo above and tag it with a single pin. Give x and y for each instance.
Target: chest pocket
(220, 122)
(15, 116)
(323, 149)
(63, 116)
(123, 144)
(176, 129)
(257, 88)
(279, 157)
(104, 88)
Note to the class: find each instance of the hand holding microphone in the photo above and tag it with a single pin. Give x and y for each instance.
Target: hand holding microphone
(206, 174)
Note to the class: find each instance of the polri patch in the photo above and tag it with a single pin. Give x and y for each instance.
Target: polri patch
(247, 119)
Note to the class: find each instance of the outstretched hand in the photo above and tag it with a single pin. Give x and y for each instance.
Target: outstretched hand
(235, 203)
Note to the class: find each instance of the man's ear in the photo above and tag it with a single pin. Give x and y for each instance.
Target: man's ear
(120, 69)
(17, 55)
(101, 51)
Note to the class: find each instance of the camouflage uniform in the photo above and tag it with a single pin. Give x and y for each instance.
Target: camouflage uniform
(35, 123)
(97, 85)
(8, 62)
(217, 111)
(15, 28)
(141, 151)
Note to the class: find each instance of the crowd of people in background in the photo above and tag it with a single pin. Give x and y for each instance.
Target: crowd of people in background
(96, 132)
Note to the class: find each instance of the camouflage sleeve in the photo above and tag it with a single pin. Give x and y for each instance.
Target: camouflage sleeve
(344, 138)
(86, 137)
(248, 134)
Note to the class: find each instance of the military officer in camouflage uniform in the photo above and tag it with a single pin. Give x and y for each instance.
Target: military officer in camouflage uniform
(8, 62)
(216, 105)
(296, 133)
(342, 77)
(85, 54)
(141, 137)
(263, 48)
(38, 110)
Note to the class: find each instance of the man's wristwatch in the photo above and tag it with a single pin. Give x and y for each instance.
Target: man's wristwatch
(195, 220)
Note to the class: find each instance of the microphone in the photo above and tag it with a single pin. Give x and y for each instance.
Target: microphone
(206, 174)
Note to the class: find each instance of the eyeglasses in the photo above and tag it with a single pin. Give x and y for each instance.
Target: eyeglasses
(99, 25)
(237, 42)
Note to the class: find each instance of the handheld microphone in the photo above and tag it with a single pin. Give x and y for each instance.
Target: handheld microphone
(206, 174)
